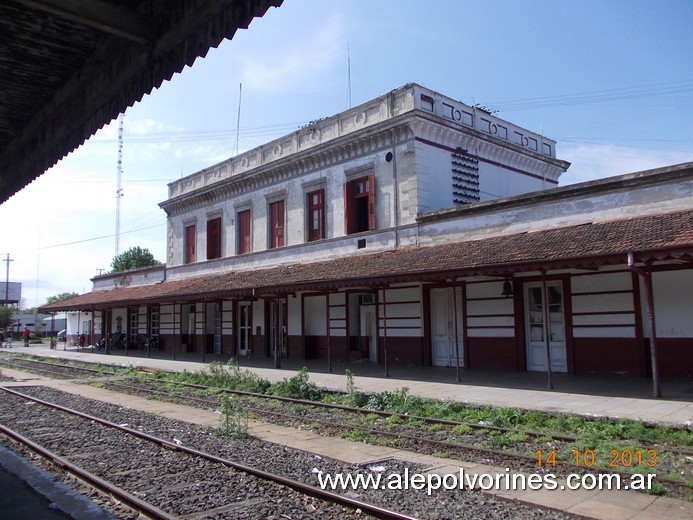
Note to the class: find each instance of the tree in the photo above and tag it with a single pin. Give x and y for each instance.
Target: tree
(6, 313)
(60, 297)
(133, 258)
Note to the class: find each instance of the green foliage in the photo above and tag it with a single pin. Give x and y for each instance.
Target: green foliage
(218, 375)
(233, 420)
(461, 429)
(60, 297)
(298, 387)
(133, 258)
(353, 396)
(398, 401)
(358, 436)
(5, 316)
(515, 437)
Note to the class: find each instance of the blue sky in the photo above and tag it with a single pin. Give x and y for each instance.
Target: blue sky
(610, 81)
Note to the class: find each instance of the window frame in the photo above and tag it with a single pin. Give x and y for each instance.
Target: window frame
(355, 189)
(244, 228)
(189, 243)
(214, 238)
(313, 234)
(276, 224)
(154, 320)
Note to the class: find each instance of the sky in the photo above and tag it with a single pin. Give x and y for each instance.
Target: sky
(610, 81)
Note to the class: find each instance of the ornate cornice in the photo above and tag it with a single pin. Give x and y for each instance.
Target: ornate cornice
(319, 157)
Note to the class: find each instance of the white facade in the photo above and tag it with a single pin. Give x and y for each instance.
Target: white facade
(423, 150)
(402, 178)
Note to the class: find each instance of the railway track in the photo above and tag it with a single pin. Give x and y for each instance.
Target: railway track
(55, 369)
(444, 438)
(417, 437)
(163, 479)
(180, 488)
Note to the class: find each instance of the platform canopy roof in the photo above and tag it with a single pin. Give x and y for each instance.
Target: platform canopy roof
(664, 237)
(68, 67)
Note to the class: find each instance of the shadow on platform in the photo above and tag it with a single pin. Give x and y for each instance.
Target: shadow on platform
(609, 386)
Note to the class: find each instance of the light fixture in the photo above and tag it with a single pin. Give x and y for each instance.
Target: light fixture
(507, 288)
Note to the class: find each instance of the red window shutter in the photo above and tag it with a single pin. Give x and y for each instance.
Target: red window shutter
(244, 232)
(277, 224)
(189, 244)
(213, 238)
(371, 202)
(349, 209)
(315, 216)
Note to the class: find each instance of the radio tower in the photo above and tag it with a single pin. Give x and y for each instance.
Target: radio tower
(119, 189)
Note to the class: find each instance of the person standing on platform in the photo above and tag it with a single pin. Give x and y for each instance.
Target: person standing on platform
(26, 335)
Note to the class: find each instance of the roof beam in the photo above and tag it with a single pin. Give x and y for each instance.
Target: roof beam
(100, 15)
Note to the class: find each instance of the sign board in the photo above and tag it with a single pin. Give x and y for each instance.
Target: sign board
(10, 292)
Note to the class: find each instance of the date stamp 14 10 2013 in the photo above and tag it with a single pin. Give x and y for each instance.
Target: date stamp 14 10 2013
(625, 458)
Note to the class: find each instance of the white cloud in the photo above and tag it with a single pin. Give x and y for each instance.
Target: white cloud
(303, 65)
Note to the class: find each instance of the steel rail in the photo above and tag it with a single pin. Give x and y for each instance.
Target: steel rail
(376, 511)
(365, 411)
(14, 359)
(94, 481)
(416, 439)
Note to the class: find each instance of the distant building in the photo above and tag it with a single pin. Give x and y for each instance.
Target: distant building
(417, 229)
(35, 323)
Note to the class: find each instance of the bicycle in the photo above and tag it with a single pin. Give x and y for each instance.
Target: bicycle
(151, 343)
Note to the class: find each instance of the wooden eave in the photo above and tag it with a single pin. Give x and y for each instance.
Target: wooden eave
(69, 67)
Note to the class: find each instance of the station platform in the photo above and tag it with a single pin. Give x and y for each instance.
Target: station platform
(594, 396)
(588, 396)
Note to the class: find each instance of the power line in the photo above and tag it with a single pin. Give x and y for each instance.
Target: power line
(596, 96)
(92, 239)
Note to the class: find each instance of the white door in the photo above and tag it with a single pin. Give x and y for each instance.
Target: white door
(368, 331)
(534, 321)
(244, 327)
(443, 329)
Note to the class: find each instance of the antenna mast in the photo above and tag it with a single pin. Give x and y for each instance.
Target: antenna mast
(119, 189)
(348, 76)
(238, 121)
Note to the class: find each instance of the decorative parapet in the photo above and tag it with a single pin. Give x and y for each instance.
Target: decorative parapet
(482, 121)
(408, 98)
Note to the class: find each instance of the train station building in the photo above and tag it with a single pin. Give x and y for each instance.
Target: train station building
(416, 229)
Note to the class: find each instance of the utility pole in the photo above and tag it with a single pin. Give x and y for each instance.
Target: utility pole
(7, 278)
(119, 188)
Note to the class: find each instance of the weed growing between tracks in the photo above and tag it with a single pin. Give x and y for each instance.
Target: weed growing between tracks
(598, 436)
(233, 420)
(591, 431)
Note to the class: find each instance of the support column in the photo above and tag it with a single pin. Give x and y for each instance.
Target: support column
(457, 337)
(327, 330)
(649, 303)
(387, 371)
(275, 335)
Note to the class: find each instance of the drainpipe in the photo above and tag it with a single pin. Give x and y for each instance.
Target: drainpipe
(395, 195)
(547, 327)
(649, 302)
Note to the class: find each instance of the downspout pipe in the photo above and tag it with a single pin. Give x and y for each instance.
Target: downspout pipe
(649, 302)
